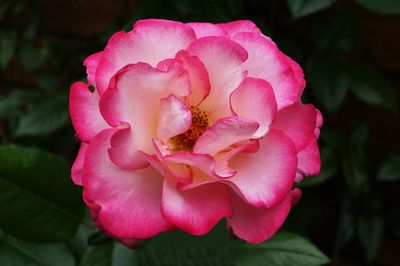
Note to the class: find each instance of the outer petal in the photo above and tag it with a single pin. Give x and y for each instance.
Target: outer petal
(254, 99)
(124, 150)
(84, 110)
(91, 64)
(256, 225)
(222, 58)
(199, 80)
(77, 167)
(298, 122)
(146, 43)
(234, 27)
(309, 161)
(195, 211)
(129, 201)
(265, 178)
(174, 118)
(136, 99)
(224, 133)
(267, 62)
(204, 29)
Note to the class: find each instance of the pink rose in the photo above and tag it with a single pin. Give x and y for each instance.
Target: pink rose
(188, 124)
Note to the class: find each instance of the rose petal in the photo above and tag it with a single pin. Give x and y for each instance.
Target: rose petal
(256, 225)
(298, 122)
(265, 178)
(174, 118)
(77, 166)
(91, 64)
(267, 62)
(136, 99)
(222, 58)
(254, 99)
(130, 201)
(199, 80)
(195, 211)
(151, 41)
(124, 151)
(309, 161)
(224, 133)
(85, 112)
(204, 29)
(234, 27)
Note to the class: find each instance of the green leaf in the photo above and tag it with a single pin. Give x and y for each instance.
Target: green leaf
(7, 47)
(32, 57)
(329, 167)
(335, 32)
(282, 249)
(370, 232)
(181, 249)
(109, 254)
(355, 162)
(45, 118)
(301, 8)
(37, 198)
(15, 252)
(368, 84)
(17, 98)
(390, 170)
(328, 80)
(381, 6)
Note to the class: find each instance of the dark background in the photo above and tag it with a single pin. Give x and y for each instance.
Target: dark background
(348, 49)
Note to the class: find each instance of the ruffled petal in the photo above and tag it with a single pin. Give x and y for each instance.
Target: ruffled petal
(204, 29)
(135, 99)
(124, 151)
(254, 99)
(174, 118)
(198, 210)
(298, 122)
(224, 133)
(84, 110)
(223, 59)
(151, 41)
(309, 161)
(234, 27)
(91, 63)
(199, 80)
(77, 166)
(267, 62)
(265, 178)
(129, 202)
(256, 225)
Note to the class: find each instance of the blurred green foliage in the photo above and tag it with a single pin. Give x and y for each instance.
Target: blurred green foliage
(41, 215)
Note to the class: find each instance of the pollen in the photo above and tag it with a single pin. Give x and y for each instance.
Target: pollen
(186, 141)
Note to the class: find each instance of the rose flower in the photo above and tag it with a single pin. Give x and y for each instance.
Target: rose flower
(182, 125)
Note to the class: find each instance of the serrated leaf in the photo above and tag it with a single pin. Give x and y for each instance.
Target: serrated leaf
(39, 202)
(14, 252)
(390, 170)
(381, 6)
(371, 87)
(44, 118)
(109, 254)
(281, 250)
(328, 80)
(301, 8)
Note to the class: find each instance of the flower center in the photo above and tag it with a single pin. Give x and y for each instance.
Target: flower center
(186, 141)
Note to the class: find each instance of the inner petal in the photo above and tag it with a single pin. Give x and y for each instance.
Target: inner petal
(187, 140)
